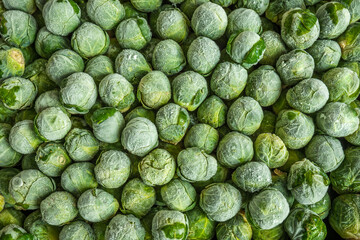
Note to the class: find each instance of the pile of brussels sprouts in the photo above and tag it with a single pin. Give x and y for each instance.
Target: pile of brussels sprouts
(179, 119)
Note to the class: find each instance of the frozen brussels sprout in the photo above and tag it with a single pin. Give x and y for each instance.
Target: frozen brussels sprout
(81, 145)
(29, 188)
(125, 227)
(78, 177)
(170, 225)
(172, 24)
(326, 54)
(237, 227)
(28, 6)
(23, 138)
(245, 115)
(12, 63)
(353, 7)
(294, 128)
(321, 208)
(107, 14)
(243, 19)
(47, 43)
(337, 119)
(46, 100)
(200, 226)
(52, 159)
(14, 232)
(99, 67)
(140, 112)
(326, 152)
(349, 43)
(220, 201)
(77, 230)
(203, 55)
(41, 230)
(112, 169)
(202, 136)
(189, 6)
(275, 47)
(179, 195)
(259, 6)
(8, 156)
(62, 64)
(212, 111)
(146, 6)
(6, 174)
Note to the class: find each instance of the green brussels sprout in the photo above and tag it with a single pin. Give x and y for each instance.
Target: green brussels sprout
(107, 14)
(353, 7)
(137, 198)
(276, 233)
(46, 100)
(132, 65)
(259, 6)
(277, 8)
(321, 208)
(203, 55)
(349, 43)
(157, 168)
(179, 195)
(77, 230)
(12, 63)
(305, 224)
(170, 225)
(326, 152)
(237, 227)
(8, 156)
(61, 17)
(294, 128)
(200, 226)
(112, 169)
(6, 174)
(344, 216)
(189, 6)
(140, 112)
(228, 80)
(275, 47)
(355, 66)
(81, 145)
(202, 136)
(267, 125)
(337, 119)
(78, 177)
(243, 19)
(245, 115)
(146, 6)
(28, 6)
(125, 227)
(212, 111)
(11, 216)
(47, 43)
(52, 124)
(220, 201)
(139, 136)
(41, 230)
(23, 138)
(247, 48)
(99, 67)
(154, 90)
(52, 159)
(172, 24)
(14, 232)
(29, 188)
(308, 183)
(107, 124)
(62, 64)
(326, 54)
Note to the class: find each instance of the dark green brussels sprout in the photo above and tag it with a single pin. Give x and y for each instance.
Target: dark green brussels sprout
(200, 226)
(237, 227)
(99, 229)
(326, 54)
(125, 227)
(47, 43)
(277, 8)
(305, 224)
(99, 67)
(6, 174)
(326, 152)
(14, 232)
(46, 100)
(28, 6)
(77, 230)
(140, 112)
(213, 112)
(321, 208)
(114, 49)
(337, 119)
(276, 233)
(78, 177)
(23, 138)
(275, 47)
(52, 159)
(107, 14)
(112, 169)
(62, 64)
(203, 55)
(170, 225)
(243, 19)
(294, 128)
(349, 43)
(12, 63)
(172, 24)
(179, 195)
(11, 216)
(40, 229)
(202, 136)
(8, 156)
(81, 145)
(259, 6)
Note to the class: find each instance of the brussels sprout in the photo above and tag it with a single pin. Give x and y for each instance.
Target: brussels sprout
(112, 169)
(203, 55)
(220, 201)
(277, 8)
(41, 230)
(212, 111)
(355, 66)
(172, 24)
(337, 119)
(189, 6)
(62, 64)
(52, 159)
(275, 47)
(99, 67)
(107, 14)
(47, 43)
(326, 152)
(236, 228)
(200, 226)
(179, 195)
(349, 43)
(321, 208)
(353, 7)
(23, 138)
(8, 156)
(202, 136)
(125, 227)
(168, 225)
(12, 63)
(303, 223)
(14, 232)
(46, 100)
(77, 230)
(326, 54)
(29, 188)
(140, 112)
(146, 6)
(243, 19)
(259, 6)
(107, 124)
(276, 233)
(28, 6)
(294, 128)
(81, 145)
(6, 174)
(78, 177)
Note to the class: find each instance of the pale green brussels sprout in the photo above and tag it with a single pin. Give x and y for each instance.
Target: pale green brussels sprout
(17, 93)
(61, 17)
(47, 43)
(275, 47)
(276, 233)
(157, 168)
(326, 54)
(245, 115)
(243, 19)
(140, 112)
(154, 90)
(337, 119)
(344, 216)
(153, 17)
(11, 216)
(52, 159)
(125, 227)
(305, 224)
(220, 201)
(81, 145)
(112, 169)
(295, 128)
(8, 156)
(77, 230)
(267, 125)
(353, 7)
(326, 152)
(62, 64)
(107, 14)
(41, 230)
(99, 67)
(6, 174)
(277, 8)
(23, 137)
(107, 124)
(132, 65)
(78, 177)
(200, 226)
(299, 28)
(28, 6)
(14, 232)
(114, 49)
(259, 6)
(212, 111)
(203, 55)
(247, 48)
(202, 136)
(172, 24)
(179, 195)
(321, 208)
(12, 63)
(209, 20)
(46, 100)
(228, 80)
(170, 225)
(237, 228)
(52, 124)
(29, 188)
